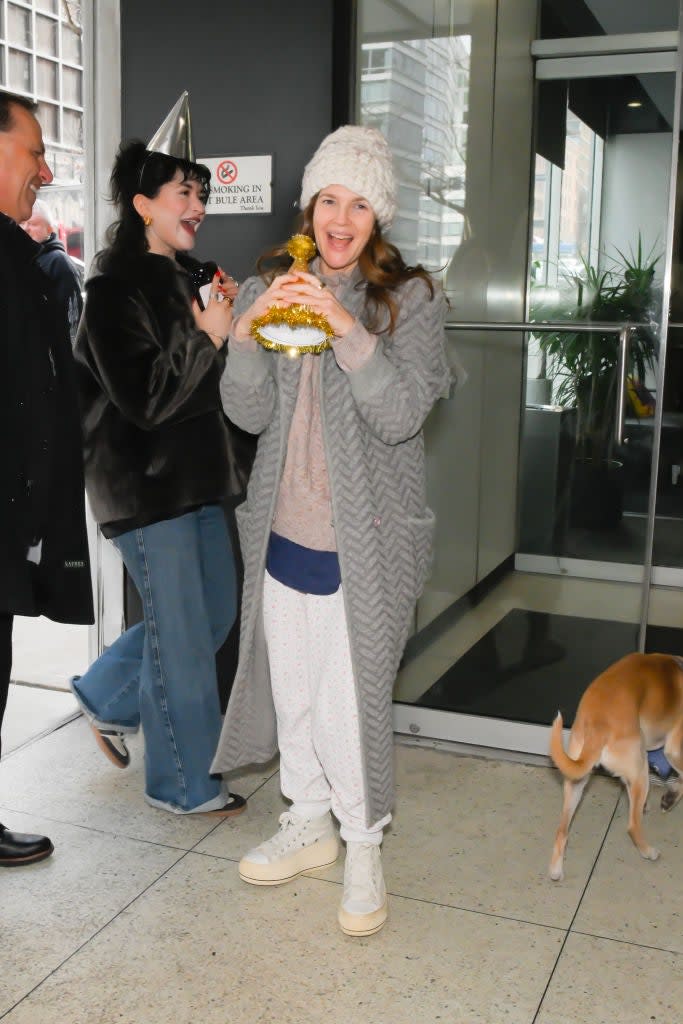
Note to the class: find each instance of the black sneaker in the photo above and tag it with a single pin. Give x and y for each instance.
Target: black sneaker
(108, 738)
(234, 805)
(112, 745)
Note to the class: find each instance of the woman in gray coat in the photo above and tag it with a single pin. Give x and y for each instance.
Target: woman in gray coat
(336, 535)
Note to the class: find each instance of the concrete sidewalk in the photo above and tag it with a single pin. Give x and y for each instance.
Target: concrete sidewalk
(45, 655)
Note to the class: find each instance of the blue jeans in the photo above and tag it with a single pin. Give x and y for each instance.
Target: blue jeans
(161, 673)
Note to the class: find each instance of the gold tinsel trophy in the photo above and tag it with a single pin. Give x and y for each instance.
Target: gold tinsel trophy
(295, 330)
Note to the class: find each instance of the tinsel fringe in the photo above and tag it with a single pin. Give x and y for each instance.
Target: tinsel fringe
(292, 316)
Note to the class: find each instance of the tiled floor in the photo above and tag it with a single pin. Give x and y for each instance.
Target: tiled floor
(140, 917)
(46, 653)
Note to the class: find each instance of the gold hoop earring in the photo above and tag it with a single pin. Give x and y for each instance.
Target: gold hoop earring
(147, 221)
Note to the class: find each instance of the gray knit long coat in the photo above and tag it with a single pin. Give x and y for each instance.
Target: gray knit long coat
(372, 426)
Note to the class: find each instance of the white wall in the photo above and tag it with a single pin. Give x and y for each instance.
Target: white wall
(635, 194)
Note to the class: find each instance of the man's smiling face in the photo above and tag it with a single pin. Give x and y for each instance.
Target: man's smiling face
(22, 164)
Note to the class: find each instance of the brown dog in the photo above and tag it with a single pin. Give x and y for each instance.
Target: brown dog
(634, 706)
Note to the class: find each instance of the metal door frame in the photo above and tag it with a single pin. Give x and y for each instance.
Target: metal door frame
(102, 132)
(602, 57)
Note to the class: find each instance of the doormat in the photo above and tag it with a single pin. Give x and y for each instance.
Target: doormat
(532, 664)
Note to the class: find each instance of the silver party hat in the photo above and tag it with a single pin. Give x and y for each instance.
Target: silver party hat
(174, 136)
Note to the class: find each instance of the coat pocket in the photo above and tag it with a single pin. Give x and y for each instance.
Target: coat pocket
(422, 531)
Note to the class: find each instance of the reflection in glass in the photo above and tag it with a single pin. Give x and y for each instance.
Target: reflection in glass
(67, 205)
(415, 91)
(597, 255)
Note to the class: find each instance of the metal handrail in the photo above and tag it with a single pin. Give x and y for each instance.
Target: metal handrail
(624, 329)
(538, 326)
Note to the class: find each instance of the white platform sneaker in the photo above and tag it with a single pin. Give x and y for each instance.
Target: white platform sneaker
(363, 908)
(301, 844)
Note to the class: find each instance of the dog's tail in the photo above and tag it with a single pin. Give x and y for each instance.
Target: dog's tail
(570, 768)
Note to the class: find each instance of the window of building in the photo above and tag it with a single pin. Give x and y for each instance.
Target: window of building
(376, 58)
(567, 207)
(41, 57)
(18, 21)
(46, 35)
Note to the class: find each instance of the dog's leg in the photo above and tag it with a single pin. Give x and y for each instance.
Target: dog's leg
(673, 751)
(637, 788)
(573, 791)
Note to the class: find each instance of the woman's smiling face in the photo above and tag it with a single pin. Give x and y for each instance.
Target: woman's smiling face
(342, 224)
(176, 210)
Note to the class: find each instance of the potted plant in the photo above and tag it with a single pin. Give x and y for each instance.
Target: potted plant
(583, 367)
(539, 386)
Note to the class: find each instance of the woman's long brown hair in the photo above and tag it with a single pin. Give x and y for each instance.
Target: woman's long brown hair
(380, 263)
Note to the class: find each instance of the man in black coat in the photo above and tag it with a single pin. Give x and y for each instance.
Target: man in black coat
(44, 566)
(54, 261)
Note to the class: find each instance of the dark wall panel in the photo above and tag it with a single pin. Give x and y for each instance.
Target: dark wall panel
(260, 79)
(259, 75)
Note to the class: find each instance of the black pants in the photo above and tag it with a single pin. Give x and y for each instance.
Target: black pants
(5, 661)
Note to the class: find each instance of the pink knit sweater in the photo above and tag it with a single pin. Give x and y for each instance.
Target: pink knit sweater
(303, 512)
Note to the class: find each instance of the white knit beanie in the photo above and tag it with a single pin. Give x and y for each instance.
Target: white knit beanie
(359, 159)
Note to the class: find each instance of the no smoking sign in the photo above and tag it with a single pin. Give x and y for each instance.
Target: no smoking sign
(240, 184)
(226, 172)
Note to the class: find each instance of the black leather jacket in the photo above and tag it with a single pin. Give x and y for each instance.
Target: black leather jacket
(155, 439)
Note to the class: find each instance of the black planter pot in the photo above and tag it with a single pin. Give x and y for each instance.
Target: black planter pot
(597, 494)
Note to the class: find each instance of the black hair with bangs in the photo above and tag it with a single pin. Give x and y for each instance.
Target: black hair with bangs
(138, 170)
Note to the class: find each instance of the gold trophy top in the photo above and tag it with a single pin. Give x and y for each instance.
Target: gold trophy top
(302, 250)
(294, 330)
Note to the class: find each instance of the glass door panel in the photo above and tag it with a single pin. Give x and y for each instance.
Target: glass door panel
(665, 597)
(597, 255)
(528, 637)
(541, 490)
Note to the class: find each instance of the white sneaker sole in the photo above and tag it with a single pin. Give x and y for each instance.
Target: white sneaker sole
(363, 924)
(121, 759)
(657, 780)
(310, 858)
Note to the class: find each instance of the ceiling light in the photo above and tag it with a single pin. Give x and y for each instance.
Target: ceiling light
(634, 103)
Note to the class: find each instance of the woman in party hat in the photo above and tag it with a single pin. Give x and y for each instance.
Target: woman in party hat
(149, 359)
(336, 534)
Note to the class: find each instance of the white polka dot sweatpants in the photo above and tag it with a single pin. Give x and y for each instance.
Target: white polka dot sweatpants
(314, 694)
